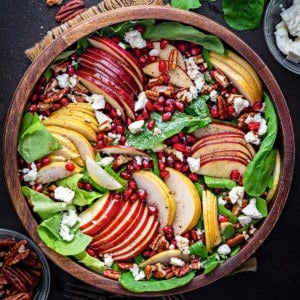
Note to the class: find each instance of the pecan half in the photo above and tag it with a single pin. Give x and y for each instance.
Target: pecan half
(221, 104)
(69, 10)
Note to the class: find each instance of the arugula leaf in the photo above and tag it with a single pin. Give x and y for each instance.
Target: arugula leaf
(243, 15)
(33, 133)
(147, 139)
(178, 31)
(259, 170)
(43, 205)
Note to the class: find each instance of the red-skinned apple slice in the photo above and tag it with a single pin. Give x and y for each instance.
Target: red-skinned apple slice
(129, 236)
(165, 53)
(178, 76)
(225, 154)
(114, 49)
(127, 98)
(139, 243)
(127, 150)
(98, 214)
(122, 230)
(119, 74)
(222, 167)
(210, 148)
(217, 127)
(98, 87)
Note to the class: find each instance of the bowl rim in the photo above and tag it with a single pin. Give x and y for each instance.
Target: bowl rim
(43, 288)
(84, 28)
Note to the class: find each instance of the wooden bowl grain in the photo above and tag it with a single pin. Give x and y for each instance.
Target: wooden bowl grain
(34, 72)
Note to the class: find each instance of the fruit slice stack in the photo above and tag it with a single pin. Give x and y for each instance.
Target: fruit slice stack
(112, 71)
(222, 148)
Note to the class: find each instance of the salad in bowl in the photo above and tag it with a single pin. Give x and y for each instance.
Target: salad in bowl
(148, 153)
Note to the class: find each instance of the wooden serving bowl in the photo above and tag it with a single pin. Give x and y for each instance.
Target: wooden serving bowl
(285, 142)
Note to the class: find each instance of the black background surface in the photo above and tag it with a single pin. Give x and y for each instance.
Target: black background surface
(23, 23)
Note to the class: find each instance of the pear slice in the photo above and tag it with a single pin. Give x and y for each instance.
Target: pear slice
(100, 176)
(164, 257)
(55, 171)
(276, 174)
(159, 195)
(188, 203)
(238, 75)
(78, 114)
(72, 124)
(210, 218)
(64, 141)
(84, 147)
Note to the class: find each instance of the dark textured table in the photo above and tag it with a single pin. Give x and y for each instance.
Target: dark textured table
(23, 23)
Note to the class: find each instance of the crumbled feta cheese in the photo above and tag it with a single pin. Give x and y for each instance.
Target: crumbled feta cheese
(252, 138)
(136, 126)
(122, 45)
(179, 155)
(236, 194)
(192, 68)
(221, 201)
(69, 219)
(182, 244)
(213, 95)
(73, 80)
(244, 220)
(156, 131)
(291, 17)
(251, 210)
(64, 194)
(63, 80)
(141, 101)
(108, 260)
(239, 104)
(30, 174)
(194, 164)
(175, 261)
(101, 117)
(105, 161)
(97, 101)
(65, 233)
(154, 52)
(134, 39)
(262, 127)
(193, 92)
(223, 249)
(115, 136)
(137, 273)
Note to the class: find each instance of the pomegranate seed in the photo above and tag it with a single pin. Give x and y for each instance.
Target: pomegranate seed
(125, 175)
(134, 197)
(34, 98)
(153, 210)
(46, 161)
(127, 193)
(56, 106)
(164, 174)
(161, 165)
(158, 107)
(119, 129)
(254, 126)
(150, 106)
(70, 167)
(38, 187)
(143, 60)
(71, 70)
(88, 187)
(151, 124)
(149, 44)
(163, 66)
(146, 164)
(222, 218)
(234, 90)
(100, 144)
(166, 78)
(33, 108)
(168, 230)
(214, 113)
(142, 194)
(122, 140)
(182, 46)
(113, 113)
(145, 114)
(152, 58)
(179, 147)
(190, 139)
(235, 175)
(178, 165)
(193, 235)
(193, 177)
(163, 43)
(132, 184)
(257, 106)
(230, 111)
(147, 253)
(140, 28)
(42, 97)
(80, 185)
(91, 252)
(167, 116)
(195, 50)
(174, 243)
(64, 101)
(38, 164)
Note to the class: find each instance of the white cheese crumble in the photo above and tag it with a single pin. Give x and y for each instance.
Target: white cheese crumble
(105, 161)
(141, 101)
(175, 261)
(179, 155)
(239, 104)
(223, 249)
(64, 194)
(108, 260)
(69, 219)
(97, 101)
(194, 164)
(213, 95)
(137, 273)
(236, 194)
(182, 244)
(154, 52)
(134, 39)
(30, 174)
(251, 210)
(252, 138)
(244, 220)
(73, 81)
(136, 126)
(101, 117)
(156, 131)
(63, 80)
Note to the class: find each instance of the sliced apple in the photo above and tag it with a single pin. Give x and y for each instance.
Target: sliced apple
(84, 147)
(139, 243)
(101, 212)
(276, 175)
(72, 124)
(128, 217)
(187, 199)
(158, 195)
(98, 87)
(54, 171)
(178, 76)
(126, 150)
(222, 167)
(165, 53)
(164, 258)
(216, 127)
(210, 219)
(117, 51)
(100, 176)
(226, 154)
(238, 75)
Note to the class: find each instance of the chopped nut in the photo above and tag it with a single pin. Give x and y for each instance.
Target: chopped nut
(152, 95)
(54, 2)
(221, 104)
(69, 10)
(172, 60)
(221, 78)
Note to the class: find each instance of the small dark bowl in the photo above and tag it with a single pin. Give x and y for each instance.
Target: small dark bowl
(42, 290)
